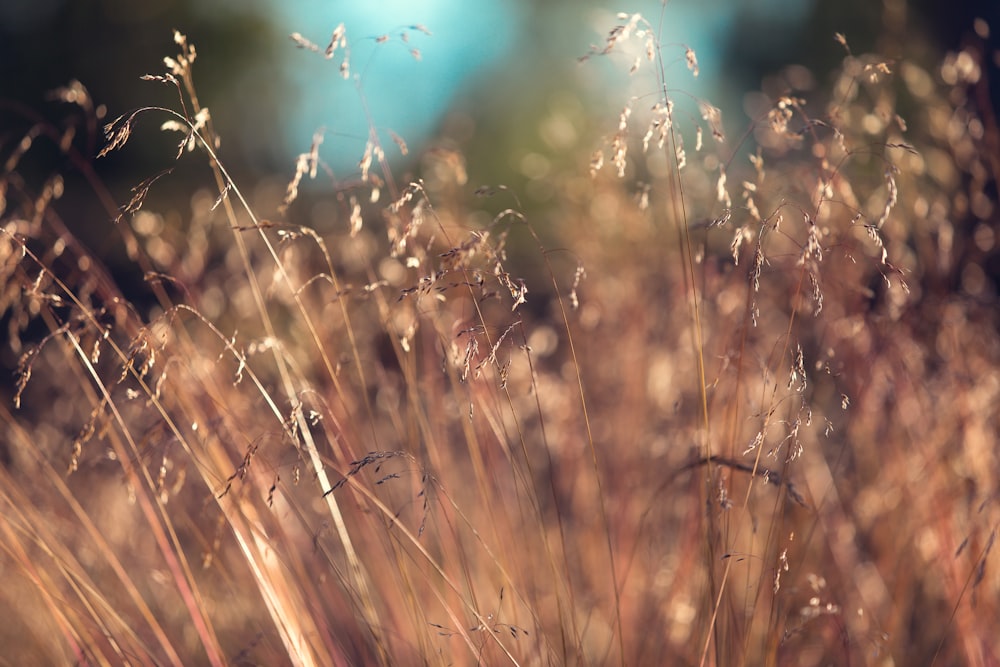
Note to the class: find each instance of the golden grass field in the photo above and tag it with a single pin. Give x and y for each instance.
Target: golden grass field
(732, 402)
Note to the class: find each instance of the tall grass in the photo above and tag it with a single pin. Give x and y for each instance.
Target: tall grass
(746, 417)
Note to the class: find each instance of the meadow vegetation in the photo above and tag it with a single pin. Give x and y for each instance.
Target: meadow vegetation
(733, 403)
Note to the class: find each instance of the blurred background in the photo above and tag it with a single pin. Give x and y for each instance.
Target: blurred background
(495, 86)
(486, 76)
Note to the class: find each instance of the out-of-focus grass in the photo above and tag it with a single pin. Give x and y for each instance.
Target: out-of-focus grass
(744, 416)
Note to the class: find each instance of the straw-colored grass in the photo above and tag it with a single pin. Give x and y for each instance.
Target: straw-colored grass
(748, 416)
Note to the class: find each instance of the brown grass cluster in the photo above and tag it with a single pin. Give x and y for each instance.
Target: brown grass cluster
(748, 416)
